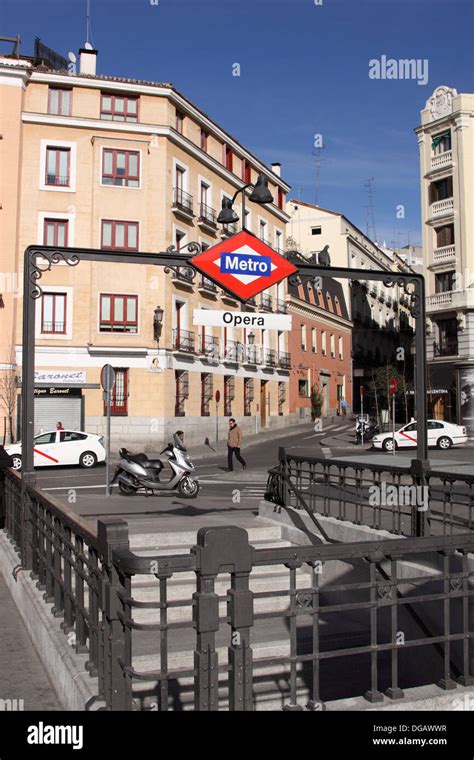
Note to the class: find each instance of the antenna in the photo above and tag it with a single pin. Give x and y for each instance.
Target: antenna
(89, 44)
(370, 224)
(318, 161)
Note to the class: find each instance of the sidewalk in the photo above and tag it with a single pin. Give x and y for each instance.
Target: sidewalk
(24, 684)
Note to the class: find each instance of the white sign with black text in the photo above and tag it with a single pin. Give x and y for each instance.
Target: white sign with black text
(252, 320)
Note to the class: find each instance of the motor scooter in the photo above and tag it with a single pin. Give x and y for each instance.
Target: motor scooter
(135, 472)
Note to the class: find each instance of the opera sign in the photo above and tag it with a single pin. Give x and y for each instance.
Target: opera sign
(243, 265)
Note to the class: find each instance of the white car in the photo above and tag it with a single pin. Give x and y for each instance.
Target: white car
(62, 447)
(441, 434)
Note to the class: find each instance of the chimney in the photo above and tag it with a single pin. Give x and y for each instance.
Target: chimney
(88, 60)
(276, 168)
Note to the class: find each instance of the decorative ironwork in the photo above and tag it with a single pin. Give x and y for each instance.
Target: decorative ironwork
(304, 599)
(187, 273)
(42, 262)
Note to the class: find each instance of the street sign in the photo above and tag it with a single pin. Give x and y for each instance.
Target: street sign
(107, 377)
(252, 320)
(218, 396)
(243, 265)
(362, 390)
(393, 386)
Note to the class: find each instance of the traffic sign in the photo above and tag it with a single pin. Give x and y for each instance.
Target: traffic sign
(243, 265)
(107, 377)
(218, 396)
(393, 386)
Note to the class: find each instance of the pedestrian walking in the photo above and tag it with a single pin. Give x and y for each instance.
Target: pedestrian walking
(344, 406)
(234, 442)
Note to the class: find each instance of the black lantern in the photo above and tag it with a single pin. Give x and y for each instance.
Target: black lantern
(260, 192)
(157, 323)
(251, 338)
(227, 214)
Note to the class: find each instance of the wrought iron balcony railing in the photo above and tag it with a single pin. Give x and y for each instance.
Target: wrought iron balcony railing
(209, 346)
(233, 351)
(207, 215)
(281, 306)
(53, 327)
(446, 347)
(182, 201)
(270, 357)
(58, 180)
(183, 340)
(252, 355)
(266, 302)
(205, 284)
(284, 360)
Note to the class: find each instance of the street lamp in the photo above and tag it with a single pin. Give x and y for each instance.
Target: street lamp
(260, 194)
(157, 323)
(251, 338)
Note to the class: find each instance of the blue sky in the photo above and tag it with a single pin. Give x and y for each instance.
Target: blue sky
(304, 71)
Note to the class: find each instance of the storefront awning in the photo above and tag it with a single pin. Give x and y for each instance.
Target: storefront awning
(441, 379)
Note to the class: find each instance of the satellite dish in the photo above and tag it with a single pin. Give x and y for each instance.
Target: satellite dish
(88, 46)
(72, 57)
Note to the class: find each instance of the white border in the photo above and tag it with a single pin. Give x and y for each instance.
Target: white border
(127, 149)
(52, 143)
(69, 313)
(106, 332)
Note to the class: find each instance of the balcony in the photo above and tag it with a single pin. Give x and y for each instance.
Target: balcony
(183, 341)
(228, 230)
(251, 355)
(182, 203)
(209, 347)
(207, 286)
(444, 255)
(270, 357)
(57, 180)
(284, 360)
(442, 208)
(446, 347)
(183, 276)
(229, 298)
(233, 352)
(451, 300)
(266, 302)
(443, 161)
(280, 306)
(207, 217)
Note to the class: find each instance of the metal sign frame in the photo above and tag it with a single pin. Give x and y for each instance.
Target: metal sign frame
(39, 259)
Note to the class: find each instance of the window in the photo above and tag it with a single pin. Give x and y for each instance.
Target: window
(118, 313)
(119, 405)
(246, 171)
(179, 240)
(444, 235)
(204, 194)
(280, 199)
(65, 436)
(179, 121)
(315, 230)
(444, 282)
(59, 101)
(227, 156)
(58, 162)
(263, 230)
(447, 337)
(204, 136)
(340, 347)
(53, 313)
(249, 395)
(55, 232)
(119, 108)
(278, 241)
(441, 142)
(120, 168)
(303, 337)
(206, 393)
(45, 438)
(323, 342)
(303, 388)
(432, 425)
(121, 236)
(182, 391)
(333, 345)
(229, 394)
(313, 340)
(441, 190)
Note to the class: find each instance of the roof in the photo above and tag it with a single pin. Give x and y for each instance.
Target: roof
(331, 287)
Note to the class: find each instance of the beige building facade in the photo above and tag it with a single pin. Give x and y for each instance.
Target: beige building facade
(115, 164)
(446, 144)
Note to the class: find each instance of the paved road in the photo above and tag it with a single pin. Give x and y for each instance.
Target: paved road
(84, 490)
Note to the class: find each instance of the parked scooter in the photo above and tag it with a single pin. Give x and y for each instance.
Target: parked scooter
(369, 428)
(135, 472)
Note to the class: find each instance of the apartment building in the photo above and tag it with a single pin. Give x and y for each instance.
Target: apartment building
(380, 316)
(96, 161)
(320, 347)
(446, 143)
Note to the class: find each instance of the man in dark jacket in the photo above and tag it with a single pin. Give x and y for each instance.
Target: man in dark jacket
(5, 462)
(234, 442)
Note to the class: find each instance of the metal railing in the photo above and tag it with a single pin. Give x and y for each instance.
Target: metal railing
(182, 200)
(284, 360)
(207, 215)
(206, 284)
(270, 357)
(266, 301)
(183, 340)
(335, 613)
(233, 351)
(408, 501)
(446, 347)
(209, 345)
(280, 306)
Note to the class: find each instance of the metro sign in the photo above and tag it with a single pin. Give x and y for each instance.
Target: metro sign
(243, 265)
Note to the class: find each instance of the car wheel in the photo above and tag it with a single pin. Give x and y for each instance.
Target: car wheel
(388, 444)
(16, 461)
(88, 459)
(188, 488)
(444, 442)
